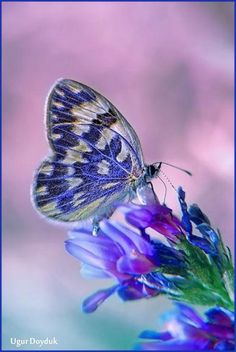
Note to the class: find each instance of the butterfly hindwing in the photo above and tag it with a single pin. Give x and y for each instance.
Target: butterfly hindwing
(68, 193)
(96, 155)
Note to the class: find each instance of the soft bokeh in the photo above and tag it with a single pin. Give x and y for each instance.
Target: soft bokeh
(168, 67)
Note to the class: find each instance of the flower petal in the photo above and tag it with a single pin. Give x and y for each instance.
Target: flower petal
(221, 316)
(124, 242)
(135, 264)
(91, 303)
(150, 334)
(222, 332)
(88, 257)
(208, 233)
(197, 216)
(140, 218)
(142, 245)
(225, 346)
(186, 223)
(189, 315)
(100, 245)
(135, 290)
(175, 345)
(89, 271)
(203, 243)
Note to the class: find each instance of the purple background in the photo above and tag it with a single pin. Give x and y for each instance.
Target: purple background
(168, 67)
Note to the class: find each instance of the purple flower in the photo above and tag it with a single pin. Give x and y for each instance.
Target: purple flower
(161, 219)
(186, 330)
(191, 268)
(125, 255)
(156, 216)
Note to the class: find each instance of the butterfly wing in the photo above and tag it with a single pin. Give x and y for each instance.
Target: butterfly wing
(96, 155)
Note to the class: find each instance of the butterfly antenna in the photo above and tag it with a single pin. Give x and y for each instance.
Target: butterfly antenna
(176, 167)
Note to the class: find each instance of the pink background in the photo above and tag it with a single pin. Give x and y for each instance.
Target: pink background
(168, 67)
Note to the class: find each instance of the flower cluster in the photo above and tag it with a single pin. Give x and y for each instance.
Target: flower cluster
(186, 330)
(184, 266)
(135, 261)
(154, 253)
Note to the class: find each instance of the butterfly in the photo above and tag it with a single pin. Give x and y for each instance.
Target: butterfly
(96, 160)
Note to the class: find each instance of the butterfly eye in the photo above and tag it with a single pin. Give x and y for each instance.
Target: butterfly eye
(152, 170)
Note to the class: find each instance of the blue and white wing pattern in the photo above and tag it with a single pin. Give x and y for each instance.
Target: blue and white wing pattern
(96, 156)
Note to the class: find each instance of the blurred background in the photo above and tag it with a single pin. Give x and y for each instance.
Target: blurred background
(168, 67)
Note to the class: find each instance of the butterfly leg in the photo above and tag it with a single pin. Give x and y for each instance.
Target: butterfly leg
(102, 216)
(96, 227)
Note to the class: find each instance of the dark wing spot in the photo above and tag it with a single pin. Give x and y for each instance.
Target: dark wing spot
(108, 118)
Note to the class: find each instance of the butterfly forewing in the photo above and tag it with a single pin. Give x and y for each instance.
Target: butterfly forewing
(95, 155)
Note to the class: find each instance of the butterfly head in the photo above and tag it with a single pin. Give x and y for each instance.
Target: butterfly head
(152, 171)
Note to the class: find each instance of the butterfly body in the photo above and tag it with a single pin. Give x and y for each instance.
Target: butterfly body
(96, 160)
